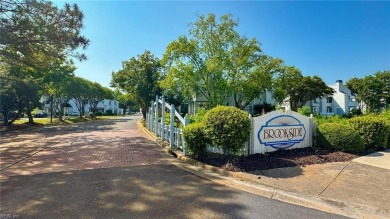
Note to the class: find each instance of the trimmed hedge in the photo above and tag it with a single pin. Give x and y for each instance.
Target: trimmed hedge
(109, 113)
(374, 130)
(227, 127)
(339, 137)
(195, 138)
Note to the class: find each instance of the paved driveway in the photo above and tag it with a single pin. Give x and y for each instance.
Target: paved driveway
(109, 169)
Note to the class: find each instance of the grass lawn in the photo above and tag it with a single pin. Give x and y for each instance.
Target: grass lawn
(23, 123)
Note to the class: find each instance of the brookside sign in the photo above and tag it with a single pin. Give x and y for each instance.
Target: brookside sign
(278, 130)
(282, 132)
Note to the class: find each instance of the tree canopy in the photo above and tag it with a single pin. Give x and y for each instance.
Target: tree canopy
(139, 77)
(33, 32)
(215, 62)
(299, 89)
(373, 90)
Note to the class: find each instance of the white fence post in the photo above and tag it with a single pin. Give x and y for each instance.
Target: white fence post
(183, 142)
(163, 120)
(172, 126)
(313, 130)
(151, 118)
(249, 143)
(156, 117)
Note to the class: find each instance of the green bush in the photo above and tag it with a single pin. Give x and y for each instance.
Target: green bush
(305, 110)
(99, 114)
(198, 117)
(109, 113)
(356, 112)
(339, 137)
(195, 138)
(331, 119)
(227, 127)
(176, 121)
(260, 109)
(374, 130)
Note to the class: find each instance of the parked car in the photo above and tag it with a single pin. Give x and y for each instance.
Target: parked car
(40, 115)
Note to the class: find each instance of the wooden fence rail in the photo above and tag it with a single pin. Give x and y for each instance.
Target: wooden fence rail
(155, 122)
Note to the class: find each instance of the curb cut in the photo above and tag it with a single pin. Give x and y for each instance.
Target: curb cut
(249, 183)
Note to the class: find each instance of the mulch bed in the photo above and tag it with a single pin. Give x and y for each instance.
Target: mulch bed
(277, 159)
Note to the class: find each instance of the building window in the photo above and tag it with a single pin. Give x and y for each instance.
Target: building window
(329, 99)
(314, 109)
(109, 102)
(315, 100)
(329, 109)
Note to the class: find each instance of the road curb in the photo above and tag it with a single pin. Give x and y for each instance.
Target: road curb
(250, 183)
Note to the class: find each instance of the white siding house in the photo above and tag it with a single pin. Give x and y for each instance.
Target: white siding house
(200, 100)
(342, 101)
(71, 108)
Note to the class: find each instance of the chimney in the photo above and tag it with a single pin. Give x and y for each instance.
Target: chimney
(339, 81)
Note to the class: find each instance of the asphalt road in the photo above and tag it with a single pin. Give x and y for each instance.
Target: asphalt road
(109, 169)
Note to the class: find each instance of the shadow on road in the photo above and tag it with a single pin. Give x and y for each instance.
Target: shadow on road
(137, 192)
(40, 132)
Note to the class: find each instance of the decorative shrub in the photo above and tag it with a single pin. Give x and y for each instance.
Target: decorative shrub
(374, 130)
(99, 114)
(339, 137)
(331, 119)
(227, 127)
(109, 113)
(356, 112)
(259, 109)
(198, 117)
(305, 110)
(195, 138)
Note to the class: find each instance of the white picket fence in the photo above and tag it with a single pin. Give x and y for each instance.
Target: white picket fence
(273, 121)
(155, 122)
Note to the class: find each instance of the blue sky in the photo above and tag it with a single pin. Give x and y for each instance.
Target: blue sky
(334, 40)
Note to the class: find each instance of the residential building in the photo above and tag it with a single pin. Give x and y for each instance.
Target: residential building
(200, 101)
(341, 102)
(71, 108)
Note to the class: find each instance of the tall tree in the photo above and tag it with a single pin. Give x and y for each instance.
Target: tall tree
(384, 80)
(252, 79)
(356, 86)
(298, 89)
(58, 87)
(139, 77)
(98, 93)
(26, 90)
(215, 62)
(196, 64)
(35, 31)
(80, 92)
(373, 90)
(8, 99)
(126, 102)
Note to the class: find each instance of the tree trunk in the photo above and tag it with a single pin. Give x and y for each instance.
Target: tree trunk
(60, 113)
(30, 117)
(143, 109)
(5, 119)
(82, 110)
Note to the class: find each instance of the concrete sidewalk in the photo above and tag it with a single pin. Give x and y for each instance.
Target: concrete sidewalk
(351, 189)
(363, 183)
(358, 189)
